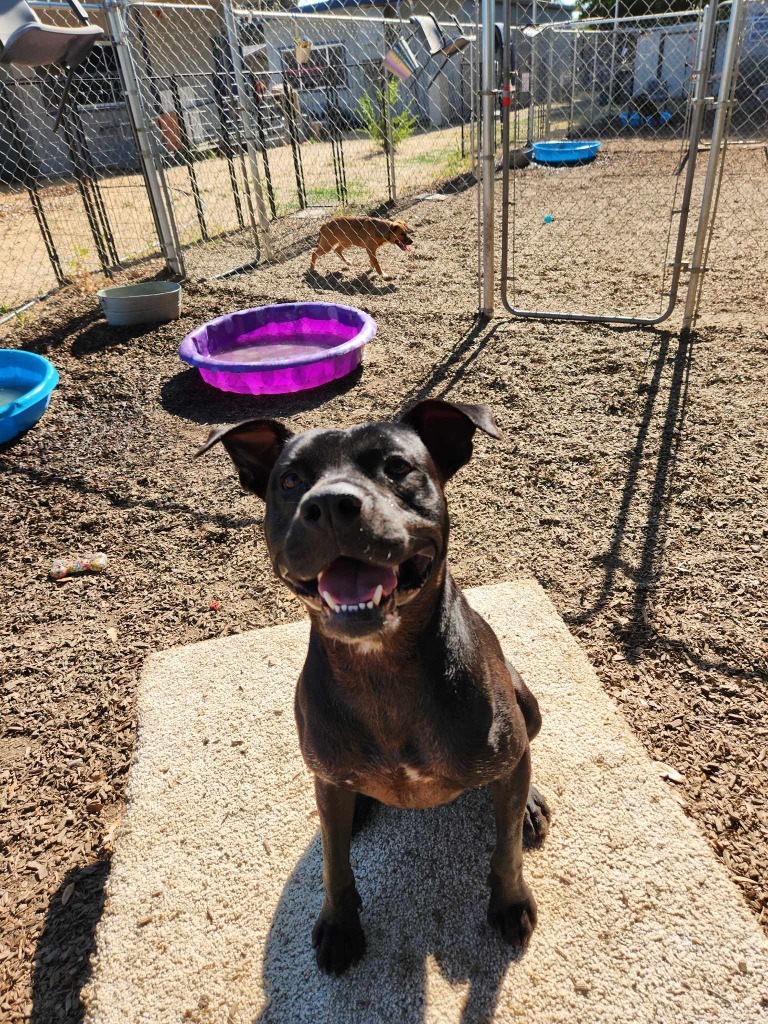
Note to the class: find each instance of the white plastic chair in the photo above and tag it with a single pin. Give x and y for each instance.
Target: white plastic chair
(29, 42)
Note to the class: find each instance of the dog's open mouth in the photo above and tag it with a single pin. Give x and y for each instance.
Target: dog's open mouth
(348, 587)
(405, 246)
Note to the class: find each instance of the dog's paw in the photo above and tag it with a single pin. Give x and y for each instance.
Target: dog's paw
(536, 820)
(514, 921)
(339, 941)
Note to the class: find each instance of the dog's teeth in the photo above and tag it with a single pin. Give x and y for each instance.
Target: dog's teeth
(377, 594)
(368, 605)
(344, 607)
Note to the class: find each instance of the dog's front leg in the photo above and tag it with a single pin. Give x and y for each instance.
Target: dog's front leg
(512, 908)
(375, 265)
(338, 939)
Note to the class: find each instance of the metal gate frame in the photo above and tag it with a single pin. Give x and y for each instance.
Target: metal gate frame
(153, 166)
(707, 211)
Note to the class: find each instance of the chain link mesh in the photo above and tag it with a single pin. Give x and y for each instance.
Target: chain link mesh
(614, 237)
(260, 125)
(738, 241)
(265, 124)
(599, 238)
(72, 203)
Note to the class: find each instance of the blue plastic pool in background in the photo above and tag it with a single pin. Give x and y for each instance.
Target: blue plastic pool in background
(565, 153)
(633, 119)
(26, 383)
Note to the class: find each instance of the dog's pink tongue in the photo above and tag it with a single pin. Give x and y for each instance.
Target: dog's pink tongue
(346, 581)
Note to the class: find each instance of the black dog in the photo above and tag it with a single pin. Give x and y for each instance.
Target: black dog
(405, 696)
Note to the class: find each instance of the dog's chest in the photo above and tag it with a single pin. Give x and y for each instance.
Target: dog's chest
(411, 771)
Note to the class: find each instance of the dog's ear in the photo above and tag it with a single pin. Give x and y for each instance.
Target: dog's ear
(447, 429)
(254, 446)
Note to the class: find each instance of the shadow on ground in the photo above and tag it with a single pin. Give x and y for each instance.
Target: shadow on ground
(187, 395)
(443, 919)
(646, 571)
(62, 963)
(363, 284)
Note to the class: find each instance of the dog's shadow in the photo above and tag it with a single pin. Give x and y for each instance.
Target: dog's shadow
(422, 878)
(336, 281)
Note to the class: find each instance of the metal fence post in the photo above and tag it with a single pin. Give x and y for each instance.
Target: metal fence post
(390, 35)
(243, 109)
(701, 73)
(714, 165)
(169, 244)
(488, 130)
(533, 71)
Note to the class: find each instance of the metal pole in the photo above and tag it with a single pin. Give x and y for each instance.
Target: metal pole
(168, 243)
(506, 102)
(532, 77)
(243, 110)
(698, 107)
(732, 45)
(612, 72)
(548, 122)
(574, 73)
(488, 127)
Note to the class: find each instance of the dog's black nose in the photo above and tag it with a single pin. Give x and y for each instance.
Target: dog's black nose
(333, 506)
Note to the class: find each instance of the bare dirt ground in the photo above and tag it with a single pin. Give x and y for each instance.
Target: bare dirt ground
(631, 483)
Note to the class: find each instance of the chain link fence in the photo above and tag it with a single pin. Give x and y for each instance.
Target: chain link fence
(265, 124)
(740, 214)
(223, 136)
(72, 202)
(614, 238)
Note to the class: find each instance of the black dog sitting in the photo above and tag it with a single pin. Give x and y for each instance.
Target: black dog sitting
(405, 696)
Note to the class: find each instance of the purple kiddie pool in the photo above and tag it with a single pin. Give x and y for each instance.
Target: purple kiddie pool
(272, 350)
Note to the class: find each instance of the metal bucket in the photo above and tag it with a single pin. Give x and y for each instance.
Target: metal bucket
(147, 303)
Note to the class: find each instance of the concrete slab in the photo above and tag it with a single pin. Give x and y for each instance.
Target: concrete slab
(216, 877)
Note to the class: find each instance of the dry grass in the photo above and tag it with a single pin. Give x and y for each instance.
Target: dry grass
(25, 269)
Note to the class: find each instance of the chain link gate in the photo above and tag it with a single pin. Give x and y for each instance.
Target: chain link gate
(608, 238)
(607, 241)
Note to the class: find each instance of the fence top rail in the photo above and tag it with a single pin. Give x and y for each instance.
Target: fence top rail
(59, 5)
(376, 19)
(618, 23)
(255, 12)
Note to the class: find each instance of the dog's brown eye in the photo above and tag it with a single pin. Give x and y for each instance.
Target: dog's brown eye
(289, 480)
(396, 468)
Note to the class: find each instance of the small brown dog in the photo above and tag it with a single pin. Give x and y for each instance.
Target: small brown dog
(364, 232)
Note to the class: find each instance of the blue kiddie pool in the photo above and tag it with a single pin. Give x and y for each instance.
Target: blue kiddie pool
(26, 383)
(565, 153)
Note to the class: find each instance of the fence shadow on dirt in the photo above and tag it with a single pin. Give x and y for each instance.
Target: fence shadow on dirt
(644, 574)
(62, 964)
(456, 361)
